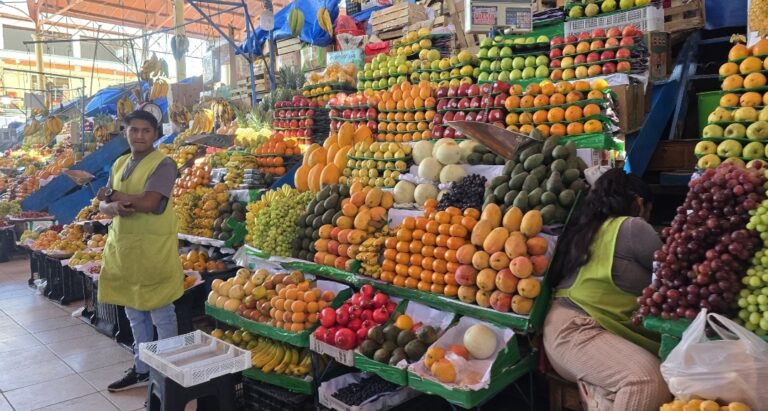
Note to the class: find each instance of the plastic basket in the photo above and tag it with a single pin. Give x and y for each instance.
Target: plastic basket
(263, 396)
(194, 358)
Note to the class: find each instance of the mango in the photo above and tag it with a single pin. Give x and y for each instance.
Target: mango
(515, 245)
(512, 219)
(492, 213)
(480, 231)
(531, 223)
(495, 240)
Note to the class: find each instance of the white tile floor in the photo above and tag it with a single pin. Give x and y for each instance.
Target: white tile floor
(50, 360)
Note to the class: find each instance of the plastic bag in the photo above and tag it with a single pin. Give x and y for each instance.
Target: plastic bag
(734, 368)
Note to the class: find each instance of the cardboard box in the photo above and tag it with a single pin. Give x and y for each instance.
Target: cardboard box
(314, 57)
(630, 106)
(186, 94)
(659, 55)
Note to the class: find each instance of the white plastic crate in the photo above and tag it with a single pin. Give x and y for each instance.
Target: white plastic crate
(194, 358)
(650, 18)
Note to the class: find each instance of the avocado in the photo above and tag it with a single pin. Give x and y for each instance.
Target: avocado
(305, 243)
(376, 334)
(397, 356)
(391, 332)
(549, 146)
(308, 232)
(508, 167)
(517, 181)
(555, 184)
(304, 255)
(301, 221)
(389, 345)
(489, 198)
(533, 149)
(368, 348)
(582, 165)
(238, 216)
(308, 221)
(382, 355)
(224, 236)
(533, 161)
(499, 180)
(560, 214)
(548, 213)
(426, 334)
(560, 152)
(570, 175)
(500, 161)
(319, 209)
(317, 222)
(327, 217)
(480, 149)
(217, 224)
(501, 191)
(530, 183)
(540, 172)
(534, 197)
(324, 194)
(578, 185)
(548, 198)
(343, 191)
(510, 197)
(518, 169)
(474, 159)
(567, 198)
(331, 202)
(572, 162)
(558, 165)
(415, 350)
(336, 217)
(404, 337)
(521, 201)
(489, 158)
(571, 147)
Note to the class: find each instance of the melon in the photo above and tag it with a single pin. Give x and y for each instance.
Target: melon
(480, 341)
(448, 154)
(403, 192)
(451, 173)
(421, 150)
(441, 142)
(430, 169)
(467, 147)
(424, 192)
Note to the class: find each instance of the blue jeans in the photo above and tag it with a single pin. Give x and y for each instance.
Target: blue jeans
(142, 322)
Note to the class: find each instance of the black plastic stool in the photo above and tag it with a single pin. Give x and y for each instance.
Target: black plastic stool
(164, 394)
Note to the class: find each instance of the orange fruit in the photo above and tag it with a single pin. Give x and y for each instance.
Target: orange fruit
(431, 203)
(401, 269)
(525, 118)
(591, 110)
(574, 96)
(468, 222)
(533, 89)
(541, 100)
(444, 229)
(414, 271)
(418, 233)
(433, 227)
(557, 130)
(543, 129)
(547, 89)
(411, 282)
(429, 239)
(402, 258)
(575, 129)
(415, 247)
(573, 113)
(390, 242)
(593, 126)
(399, 281)
(512, 102)
(426, 276)
(421, 223)
(442, 240)
(450, 290)
(526, 101)
(426, 263)
(526, 129)
(444, 371)
(424, 286)
(409, 223)
(540, 116)
(438, 278)
(387, 276)
(432, 355)
(472, 212)
(402, 247)
(557, 99)
(555, 115)
(595, 95)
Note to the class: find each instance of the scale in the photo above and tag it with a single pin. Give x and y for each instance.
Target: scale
(153, 109)
(482, 16)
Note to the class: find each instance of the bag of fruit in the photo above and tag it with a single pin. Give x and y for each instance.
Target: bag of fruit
(731, 368)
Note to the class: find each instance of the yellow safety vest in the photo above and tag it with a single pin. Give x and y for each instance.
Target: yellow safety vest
(140, 264)
(595, 292)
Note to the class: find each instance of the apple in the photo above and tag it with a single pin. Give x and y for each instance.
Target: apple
(486, 102)
(757, 163)
(566, 62)
(470, 116)
(712, 130)
(729, 148)
(580, 59)
(499, 100)
(571, 38)
(597, 44)
(607, 55)
(449, 132)
(609, 68)
(758, 130)
(453, 104)
(623, 53)
(463, 89)
(763, 115)
(495, 115)
(735, 130)
(594, 70)
(448, 116)
(719, 114)
(582, 72)
(612, 42)
(613, 32)
(473, 90)
(630, 31)
(554, 64)
(459, 116)
(441, 92)
(498, 87)
(705, 147)
(754, 150)
(474, 103)
(555, 53)
(451, 92)
(627, 41)
(556, 41)
(463, 103)
(623, 67)
(608, 6)
(593, 57)
(745, 114)
(598, 32)
(584, 36)
(486, 88)
(708, 161)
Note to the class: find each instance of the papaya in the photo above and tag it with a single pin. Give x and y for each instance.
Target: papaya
(309, 152)
(356, 187)
(331, 140)
(494, 242)
(314, 177)
(346, 136)
(531, 223)
(329, 175)
(373, 198)
(363, 134)
(492, 213)
(330, 153)
(480, 232)
(301, 179)
(317, 157)
(512, 219)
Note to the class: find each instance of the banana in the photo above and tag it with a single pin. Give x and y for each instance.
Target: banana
(288, 360)
(296, 21)
(277, 359)
(324, 18)
(159, 89)
(262, 357)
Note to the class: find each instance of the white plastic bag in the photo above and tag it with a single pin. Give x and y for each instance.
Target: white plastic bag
(734, 368)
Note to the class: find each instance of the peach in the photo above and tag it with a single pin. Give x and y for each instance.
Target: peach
(486, 279)
(466, 275)
(480, 260)
(521, 305)
(506, 281)
(483, 298)
(498, 260)
(540, 264)
(521, 267)
(537, 246)
(501, 301)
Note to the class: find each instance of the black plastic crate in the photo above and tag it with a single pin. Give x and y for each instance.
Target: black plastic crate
(54, 290)
(36, 265)
(72, 286)
(7, 244)
(189, 307)
(260, 396)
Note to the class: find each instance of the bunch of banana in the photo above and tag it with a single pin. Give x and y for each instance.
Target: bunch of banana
(202, 122)
(279, 358)
(52, 127)
(180, 116)
(296, 21)
(222, 112)
(369, 253)
(32, 127)
(151, 67)
(124, 107)
(159, 89)
(324, 18)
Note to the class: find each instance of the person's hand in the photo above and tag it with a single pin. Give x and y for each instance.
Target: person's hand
(123, 209)
(102, 194)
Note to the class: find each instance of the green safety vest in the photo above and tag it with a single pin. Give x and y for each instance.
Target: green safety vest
(595, 292)
(140, 264)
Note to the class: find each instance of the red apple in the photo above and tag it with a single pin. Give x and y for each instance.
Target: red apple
(599, 32)
(495, 115)
(451, 92)
(613, 32)
(630, 31)
(449, 132)
(448, 116)
(607, 55)
(584, 36)
(556, 41)
(623, 67)
(627, 41)
(470, 116)
(596, 45)
(499, 86)
(453, 103)
(486, 102)
(571, 38)
(609, 68)
(473, 90)
(463, 89)
(441, 92)
(437, 131)
(475, 102)
(499, 100)
(438, 119)
(623, 53)
(460, 116)
(463, 104)
(593, 57)
(554, 64)
(580, 59)
(555, 54)
(485, 88)
(442, 104)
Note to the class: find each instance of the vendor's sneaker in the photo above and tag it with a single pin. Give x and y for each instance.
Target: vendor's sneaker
(131, 379)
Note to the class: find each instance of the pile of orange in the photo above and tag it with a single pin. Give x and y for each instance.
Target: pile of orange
(555, 109)
(422, 254)
(406, 112)
(280, 146)
(196, 176)
(296, 306)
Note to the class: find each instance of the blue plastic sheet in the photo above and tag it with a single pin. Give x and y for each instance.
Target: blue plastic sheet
(366, 14)
(311, 32)
(105, 100)
(731, 13)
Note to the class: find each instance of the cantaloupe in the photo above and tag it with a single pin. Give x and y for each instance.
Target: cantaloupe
(421, 150)
(424, 192)
(448, 154)
(403, 192)
(346, 136)
(330, 175)
(440, 143)
(301, 178)
(430, 168)
(451, 173)
(314, 177)
(480, 341)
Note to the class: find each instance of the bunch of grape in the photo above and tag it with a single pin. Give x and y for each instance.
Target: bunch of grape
(275, 227)
(466, 193)
(707, 248)
(753, 299)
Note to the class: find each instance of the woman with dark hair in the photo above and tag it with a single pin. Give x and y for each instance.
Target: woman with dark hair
(604, 262)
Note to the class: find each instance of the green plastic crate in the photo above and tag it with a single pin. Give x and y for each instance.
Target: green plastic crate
(708, 102)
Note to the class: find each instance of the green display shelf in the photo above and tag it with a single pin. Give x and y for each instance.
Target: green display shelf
(290, 383)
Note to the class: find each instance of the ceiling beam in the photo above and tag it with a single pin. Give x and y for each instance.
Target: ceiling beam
(62, 11)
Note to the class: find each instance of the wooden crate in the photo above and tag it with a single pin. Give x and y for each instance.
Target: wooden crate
(397, 16)
(284, 46)
(674, 155)
(683, 15)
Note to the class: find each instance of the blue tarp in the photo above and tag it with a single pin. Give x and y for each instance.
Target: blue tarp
(366, 14)
(105, 100)
(311, 33)
(719, 14)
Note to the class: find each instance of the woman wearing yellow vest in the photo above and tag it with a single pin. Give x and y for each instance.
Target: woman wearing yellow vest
(140, 265)
(605, 261)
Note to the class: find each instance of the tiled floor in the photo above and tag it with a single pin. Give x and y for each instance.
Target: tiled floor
(50, 360)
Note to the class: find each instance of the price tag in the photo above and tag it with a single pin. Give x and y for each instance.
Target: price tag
(354, 56)
(346, 357)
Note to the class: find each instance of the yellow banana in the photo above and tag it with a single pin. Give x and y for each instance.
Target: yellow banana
(264, 356)
(324, 18)
(287, 360)
(277, 359)
(296, 21)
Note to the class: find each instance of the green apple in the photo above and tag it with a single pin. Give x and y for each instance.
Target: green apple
(485, 65)
(720, 114)
(529, 72)
(482, 77)
(482, 53)
(758, 130)
(493, 52)
(504, 76)
(486, 43)
(509, 42)
(496, 65)
(530, 61)
(608, 6)
(518, 63)
(506, 63)
(745, 114)
(626, 4)
(516, 74)
(530, 40)
(576, 12)
(704, 148)
(729, 148)
(591, 10)
(505, 52)
(763, 114)
(493, 77)
(754, 150)
(542, 39)
(542, 72)
(712, 130)
(708, 161)
(735, 130)
(735, 160)
(519, 41)
(542, 61)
